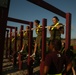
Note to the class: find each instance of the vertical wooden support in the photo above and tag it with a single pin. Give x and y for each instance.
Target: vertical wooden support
(21, 37)
(4, 7)
(30, 62)
(10, 48)
(15, 48)
(15, 40)
(7, 43)
(68, 30)
(44, 23)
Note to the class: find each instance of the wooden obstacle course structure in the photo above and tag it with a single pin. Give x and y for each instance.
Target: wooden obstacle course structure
(3, 21)
(10, 51)
(30, 40)
(4, 8)
(11, 28)
(6, 44)
(55, 10)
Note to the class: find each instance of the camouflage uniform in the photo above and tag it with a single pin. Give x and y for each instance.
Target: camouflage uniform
(56, 33)
(25, 42)
(38, 38)
(18, 42)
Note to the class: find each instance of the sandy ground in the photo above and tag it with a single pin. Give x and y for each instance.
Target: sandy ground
(8, 69)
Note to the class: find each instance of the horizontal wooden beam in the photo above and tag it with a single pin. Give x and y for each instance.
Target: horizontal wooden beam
(11, 27)
(7, 30)
(18, 20)
(49, 7)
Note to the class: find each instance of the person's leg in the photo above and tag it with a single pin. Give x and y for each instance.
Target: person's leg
(22, 48)
(73, 71)
(35, 48)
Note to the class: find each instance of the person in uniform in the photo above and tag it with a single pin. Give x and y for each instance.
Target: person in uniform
(25, 41)
(38, 31)
(56, 29)
(18, 42)
(55, 60)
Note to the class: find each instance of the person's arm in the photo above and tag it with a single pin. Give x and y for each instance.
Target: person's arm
(48, 27)
(69, 66)
(61, 28)
(46, 69)
(73, 71)
(22, 48)
(47, 64)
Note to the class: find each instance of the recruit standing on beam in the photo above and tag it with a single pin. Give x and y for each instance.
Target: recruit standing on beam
(25, 40)
(56, 29)
(38, 31)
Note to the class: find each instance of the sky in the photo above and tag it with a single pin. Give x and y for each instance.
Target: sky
(24, 10)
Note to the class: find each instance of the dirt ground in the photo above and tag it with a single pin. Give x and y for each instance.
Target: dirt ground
(8, 69)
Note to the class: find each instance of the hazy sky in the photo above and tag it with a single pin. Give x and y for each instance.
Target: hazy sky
(22, 9)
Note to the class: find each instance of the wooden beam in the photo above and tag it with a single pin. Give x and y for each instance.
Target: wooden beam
(68, 30)
(49, 7)
(43, 54)
(18, 20)
(10, 27)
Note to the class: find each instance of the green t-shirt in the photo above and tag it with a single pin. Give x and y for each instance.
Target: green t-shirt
(25, 35)
(56, 33)
(39, 31)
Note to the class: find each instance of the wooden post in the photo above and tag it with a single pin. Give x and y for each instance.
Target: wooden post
(10, 48)
(21, 37)
(7, 43)
(44, 23)
(4, 7)
(68, 30)
(30, 62)
(15, 40)
(15, 49)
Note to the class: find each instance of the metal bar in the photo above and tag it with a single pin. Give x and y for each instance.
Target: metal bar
(48, 7)
(18, 20)
(44, 23)
(68, 31)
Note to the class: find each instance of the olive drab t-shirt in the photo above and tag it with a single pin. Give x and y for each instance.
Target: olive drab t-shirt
(25, 35)
(39, 31)
(18, 41)
(56, 33)
(25, 38)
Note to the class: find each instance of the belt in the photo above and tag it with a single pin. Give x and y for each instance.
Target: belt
(55, 74)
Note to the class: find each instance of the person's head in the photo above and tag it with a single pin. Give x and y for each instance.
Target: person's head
(27, 28)
(55, 45)
(51, 45)
(36, 22)
(55, 19)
